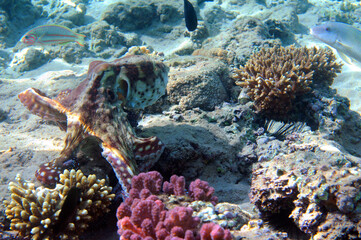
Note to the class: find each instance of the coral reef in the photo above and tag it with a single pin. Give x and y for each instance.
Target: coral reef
(65, 211)
(69, 14)
(29, 59)
(15, 14)
(345, 11)
(130, 16)
(104, 38)
(314, 187)
(202, 83)
(138, 15)
(246, 34)
(275, 77)
(217, 53)
(147, 216)
(226, 215)
(203, 144)
(257, 229)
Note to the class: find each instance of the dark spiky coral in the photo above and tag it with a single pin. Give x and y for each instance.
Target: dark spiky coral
(36, 212)
(275, 76)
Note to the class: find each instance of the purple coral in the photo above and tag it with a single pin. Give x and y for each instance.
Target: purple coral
(212, 231)
(148, 219)
(176, 186)
(200, 190)
(178, 223)
(151, 180)
(138, 218)
(144, 216)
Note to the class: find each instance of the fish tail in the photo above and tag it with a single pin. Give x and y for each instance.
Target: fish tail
(80, 39)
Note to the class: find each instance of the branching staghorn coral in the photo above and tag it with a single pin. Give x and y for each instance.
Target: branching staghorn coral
(63, 212)
(275, 76)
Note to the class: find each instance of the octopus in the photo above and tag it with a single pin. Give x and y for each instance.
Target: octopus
(95, 109)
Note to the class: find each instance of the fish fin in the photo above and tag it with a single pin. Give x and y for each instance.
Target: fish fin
(64, 43)
(147, 152)
(80, 39)
(346, 58)
(343, 45)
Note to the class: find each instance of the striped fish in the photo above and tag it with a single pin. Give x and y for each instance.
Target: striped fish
(52, 35)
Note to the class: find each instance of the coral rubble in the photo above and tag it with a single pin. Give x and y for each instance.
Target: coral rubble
(65, 211)
(275, 77)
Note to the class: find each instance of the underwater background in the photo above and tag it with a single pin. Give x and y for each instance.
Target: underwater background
(258, 119)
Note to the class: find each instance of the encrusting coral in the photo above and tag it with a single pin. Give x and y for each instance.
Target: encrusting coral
(63, 212)
(275, 76)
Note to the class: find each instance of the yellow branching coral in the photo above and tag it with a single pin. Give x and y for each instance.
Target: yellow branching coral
(275, 76)
(60, 213)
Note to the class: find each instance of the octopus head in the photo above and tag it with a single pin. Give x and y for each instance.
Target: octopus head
(135, 81)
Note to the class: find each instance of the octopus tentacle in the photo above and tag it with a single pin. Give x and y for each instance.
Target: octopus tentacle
(39, 104)
(147, 152)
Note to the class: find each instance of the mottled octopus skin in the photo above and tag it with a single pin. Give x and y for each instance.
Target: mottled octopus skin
(95, 109)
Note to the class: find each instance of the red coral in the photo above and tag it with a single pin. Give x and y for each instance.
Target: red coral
(200, 190)
(212, 231)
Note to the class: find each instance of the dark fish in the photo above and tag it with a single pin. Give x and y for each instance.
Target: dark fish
(68, 210)
(190, 16)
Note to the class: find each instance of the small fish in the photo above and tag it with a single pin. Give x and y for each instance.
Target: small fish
(52, 34)
(345, 38)
(68, 210)
(190, 16)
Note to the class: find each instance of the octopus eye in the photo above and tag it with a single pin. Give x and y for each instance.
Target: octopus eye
(110, 95)
(327, 29)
